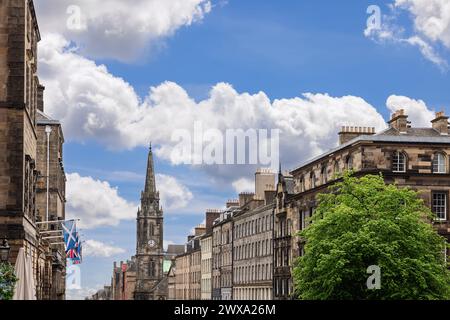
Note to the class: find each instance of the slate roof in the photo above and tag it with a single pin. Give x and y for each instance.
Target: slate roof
(413, 135)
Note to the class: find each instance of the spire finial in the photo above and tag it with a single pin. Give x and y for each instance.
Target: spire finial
(150, 146)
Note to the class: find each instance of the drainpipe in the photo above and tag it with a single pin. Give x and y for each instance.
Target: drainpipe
(48, 130)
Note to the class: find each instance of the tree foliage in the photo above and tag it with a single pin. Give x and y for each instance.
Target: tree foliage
(7, 281)
(363, 222)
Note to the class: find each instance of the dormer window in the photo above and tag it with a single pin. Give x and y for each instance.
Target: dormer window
(399, 162)
(439, 163)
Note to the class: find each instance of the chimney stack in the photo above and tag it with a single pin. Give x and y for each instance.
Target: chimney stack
(40, 97)
(211, 216)
(440, 123)
(399, 121)
(245, 197)
(232, 203)
(349, 133)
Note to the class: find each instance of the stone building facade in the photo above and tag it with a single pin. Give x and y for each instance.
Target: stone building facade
(222, 255)
(56, 196)
(408, 156)
(188, 268)
(21, 116)
(206, 268)
(252, 267)
(151, 284)
(182, 277)
(252, 245)
(206, 242)
(123, 281)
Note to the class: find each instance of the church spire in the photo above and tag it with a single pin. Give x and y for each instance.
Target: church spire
(150, 185)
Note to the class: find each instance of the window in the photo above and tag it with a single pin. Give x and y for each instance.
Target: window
(302, 184)
(323, 175)
(313, 180)
(303, 219)
(349, 163)
(336, 168)
(440, 205)
(439, 165)
(151, 269)
(399, 162)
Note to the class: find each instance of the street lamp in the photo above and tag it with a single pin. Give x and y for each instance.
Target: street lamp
(4, 251)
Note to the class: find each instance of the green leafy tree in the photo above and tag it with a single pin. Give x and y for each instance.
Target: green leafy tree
(7, 281)
(363, 222)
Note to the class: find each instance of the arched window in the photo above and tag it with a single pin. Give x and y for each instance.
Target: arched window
(349, 163)
(336, 168)
(312, 178)
(439, 163)
(399, 162)
(323, 175)
(302, 184)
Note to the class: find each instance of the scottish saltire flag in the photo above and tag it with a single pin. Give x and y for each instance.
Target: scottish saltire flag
(70, 235)
(75, 254)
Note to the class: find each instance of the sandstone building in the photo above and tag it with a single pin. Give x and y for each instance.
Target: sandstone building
(206, 252)
(23, 152)
(405, 155)
(252, 241)
(222, 254)
(188, 269)
(123, 282)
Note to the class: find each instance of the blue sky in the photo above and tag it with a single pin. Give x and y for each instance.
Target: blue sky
(280, 48)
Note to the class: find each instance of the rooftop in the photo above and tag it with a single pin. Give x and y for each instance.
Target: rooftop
(411, 135)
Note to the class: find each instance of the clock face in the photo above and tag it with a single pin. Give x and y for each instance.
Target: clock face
(152, 243)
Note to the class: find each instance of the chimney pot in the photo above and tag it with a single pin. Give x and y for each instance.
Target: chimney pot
(440, 123)
(399, 121)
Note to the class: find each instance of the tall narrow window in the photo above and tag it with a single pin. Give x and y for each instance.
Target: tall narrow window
(399, 162)
(323, 175)
(336, 168)
(151, 269)
(313, 180)
(349, 163)
(302, 184)
(439, 163)
(440, 205)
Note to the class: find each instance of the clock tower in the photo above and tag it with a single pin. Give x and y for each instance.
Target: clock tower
(149, 246)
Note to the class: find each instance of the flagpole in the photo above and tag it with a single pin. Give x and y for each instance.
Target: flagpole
(55, 222)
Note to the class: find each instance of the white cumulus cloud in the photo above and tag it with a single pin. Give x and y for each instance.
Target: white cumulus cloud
(118, 29)
(430, 28)
(244, 185)
(96, 203)
(93, 248)
(431, 18)
(174, 195)
(418, 112)
(95, 105)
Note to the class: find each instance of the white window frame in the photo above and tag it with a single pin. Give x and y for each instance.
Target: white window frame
(397, 163)
(439, 163)
(444, 205)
